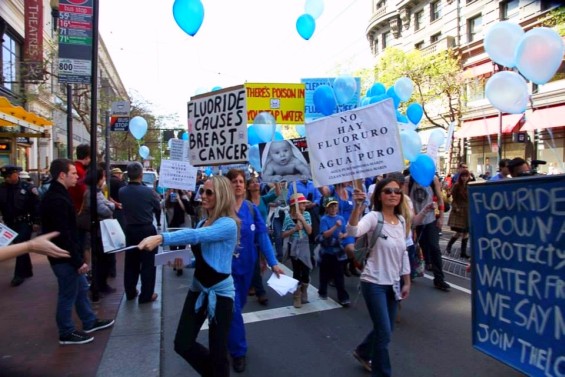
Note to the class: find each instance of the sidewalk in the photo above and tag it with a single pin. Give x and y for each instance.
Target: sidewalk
(29, 344)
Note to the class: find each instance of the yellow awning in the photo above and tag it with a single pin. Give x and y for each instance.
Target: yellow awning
(11, 115)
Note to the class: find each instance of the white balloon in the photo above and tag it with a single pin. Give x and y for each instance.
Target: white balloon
(437, 137)
(501, 42)
(411, 144)
(508, 92)
(403, 87)
(539, 54)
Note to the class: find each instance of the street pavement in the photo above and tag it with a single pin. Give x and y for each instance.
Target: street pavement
(432, 337)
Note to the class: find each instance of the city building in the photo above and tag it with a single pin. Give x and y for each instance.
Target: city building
(33, 104)
(460, 25)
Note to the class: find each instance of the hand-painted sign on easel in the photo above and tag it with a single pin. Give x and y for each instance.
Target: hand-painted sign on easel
(518, 265)
(217, 123)
(359, 143)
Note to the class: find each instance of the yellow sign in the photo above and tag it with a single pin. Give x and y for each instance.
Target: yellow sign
(284, 101)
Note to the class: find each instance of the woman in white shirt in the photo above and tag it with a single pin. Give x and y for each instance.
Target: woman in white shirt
(386, 265)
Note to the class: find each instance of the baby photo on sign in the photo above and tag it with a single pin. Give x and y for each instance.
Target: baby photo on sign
(284, 160)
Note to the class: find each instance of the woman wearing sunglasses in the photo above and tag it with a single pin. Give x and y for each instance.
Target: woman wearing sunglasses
(253, 233)
(212, 291)
(387, 263)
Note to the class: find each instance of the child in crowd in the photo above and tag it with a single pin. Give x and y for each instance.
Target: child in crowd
(332, 254)
(296, 227)
(283, 159)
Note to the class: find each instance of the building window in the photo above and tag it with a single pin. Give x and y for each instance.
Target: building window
(509, 9)
(435, 10)
(418, 20)
(380, 4)
(476, 89)
(387, 39)
(474, 27)
(11, 56)
(434, 38)
(419, 45)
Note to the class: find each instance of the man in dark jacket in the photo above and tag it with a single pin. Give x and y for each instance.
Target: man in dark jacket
(58, 214)
(140, 203)
(19, 201)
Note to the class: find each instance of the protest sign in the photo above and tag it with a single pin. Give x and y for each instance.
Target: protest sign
(178, 175)
(285, 102)
(7, 235)
(311, 85)
(284, 160)
(179, 150)
(217, 124)
(518, 299)
(359, 143)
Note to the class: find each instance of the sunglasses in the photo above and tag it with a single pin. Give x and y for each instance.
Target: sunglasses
(207, 191)
(389, 191)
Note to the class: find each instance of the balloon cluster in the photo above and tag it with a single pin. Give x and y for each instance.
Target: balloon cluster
(537, 54)
(327, 98)
(306, 23)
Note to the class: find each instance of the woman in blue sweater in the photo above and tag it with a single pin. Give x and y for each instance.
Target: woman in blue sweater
(212, 291)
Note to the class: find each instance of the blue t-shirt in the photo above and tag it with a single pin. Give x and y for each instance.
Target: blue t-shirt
(327, 222)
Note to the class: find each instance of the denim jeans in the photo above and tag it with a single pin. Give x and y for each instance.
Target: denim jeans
(332, 268)
(73, 290)
(382, 307)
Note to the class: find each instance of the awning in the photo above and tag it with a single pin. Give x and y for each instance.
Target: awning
(11, 115)
(540, 119)
(488, 126)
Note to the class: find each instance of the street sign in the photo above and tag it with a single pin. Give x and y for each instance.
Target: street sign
(75, 41)
(119, 123)
(120, 109)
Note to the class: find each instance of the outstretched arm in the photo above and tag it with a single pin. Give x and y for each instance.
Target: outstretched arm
(39, 245)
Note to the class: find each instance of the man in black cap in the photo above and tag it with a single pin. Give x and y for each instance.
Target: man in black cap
(19, 202)
(140, 203)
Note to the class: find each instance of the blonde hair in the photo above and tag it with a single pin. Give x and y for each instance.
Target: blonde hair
(225, 200)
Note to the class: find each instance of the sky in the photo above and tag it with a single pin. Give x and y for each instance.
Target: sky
(239, 41)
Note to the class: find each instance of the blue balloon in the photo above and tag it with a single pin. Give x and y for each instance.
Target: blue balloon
(189, 15)
(324, 100)
(378, 98)
(208, 171)
(423, 169)
(278, 136)
(144, 152)
(306, 25)
(376, 90)
(401, 118)
(414, 112)
(185, 136)
(252, 137)
(301, 130)
(216, 88)
(365, 101)
(392, 94)
(255, 158)
(138, 127)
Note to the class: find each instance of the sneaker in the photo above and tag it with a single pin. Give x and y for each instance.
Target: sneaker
(100, 324)
(76, 337)
(441, 285)
(345, 303)
(364, 362)
(322, 297)
(16, 281)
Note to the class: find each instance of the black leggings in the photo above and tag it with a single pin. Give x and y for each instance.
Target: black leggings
(212, 361)
(300, 271)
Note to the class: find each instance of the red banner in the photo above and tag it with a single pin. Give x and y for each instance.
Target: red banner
(33, 44)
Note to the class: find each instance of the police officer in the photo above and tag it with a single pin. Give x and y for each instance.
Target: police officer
(19, 202)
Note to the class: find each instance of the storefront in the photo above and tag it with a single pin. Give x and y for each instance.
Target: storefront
(20, 132)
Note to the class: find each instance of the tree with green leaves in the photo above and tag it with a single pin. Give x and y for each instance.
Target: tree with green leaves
(439, 85)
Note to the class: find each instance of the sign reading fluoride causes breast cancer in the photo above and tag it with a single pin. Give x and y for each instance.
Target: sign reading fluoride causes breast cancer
(354, 144)
(217, 124)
